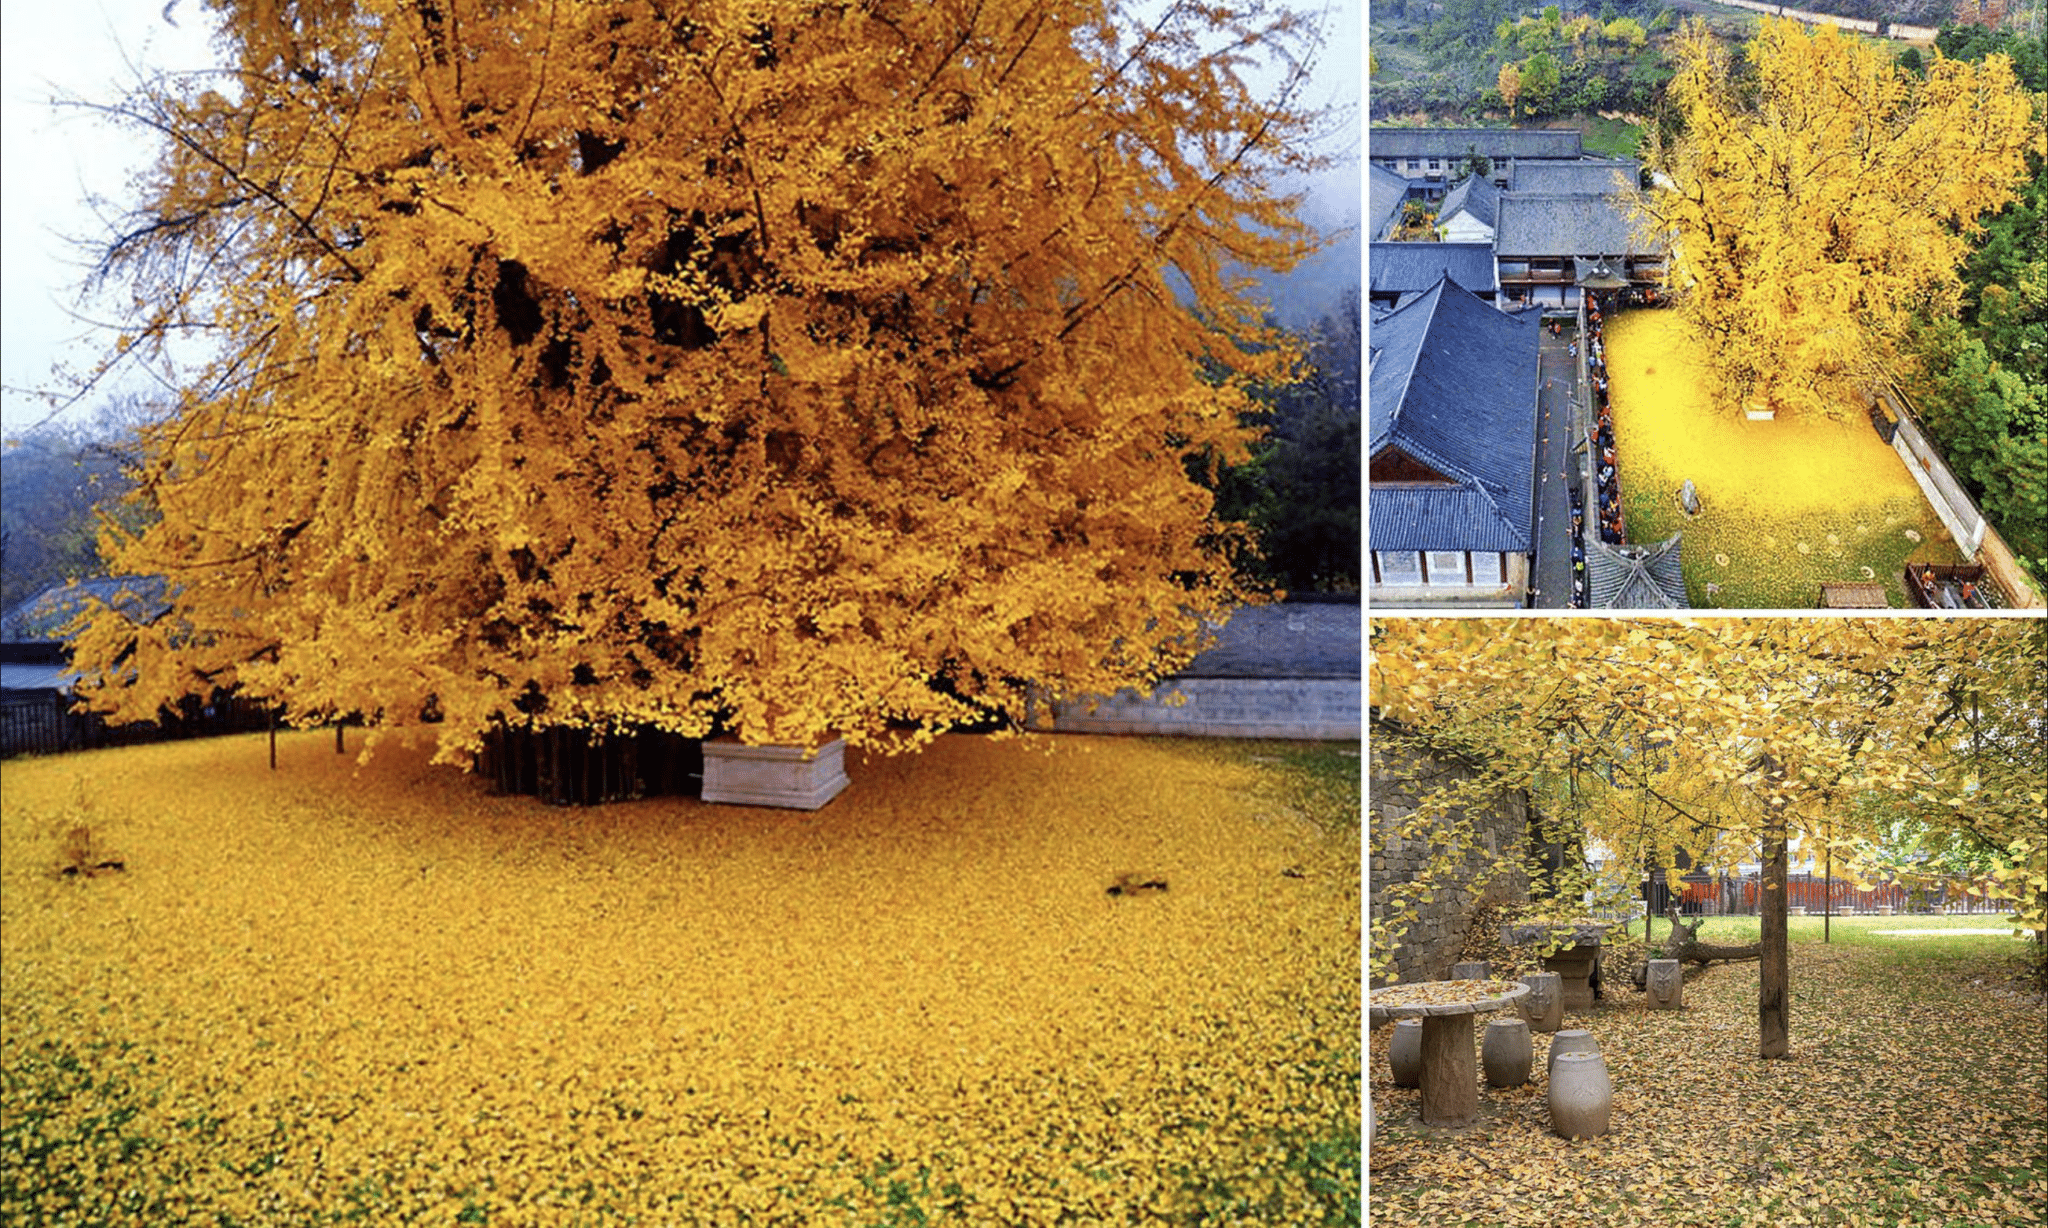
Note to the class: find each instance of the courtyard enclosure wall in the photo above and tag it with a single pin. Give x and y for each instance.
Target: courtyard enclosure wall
(1280, 671)
(1958, 512)
(1401, 775)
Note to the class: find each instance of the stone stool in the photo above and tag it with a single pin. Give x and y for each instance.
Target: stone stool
(1665, 985)
(1507, 1053)
(1571, 1040)
(1474, 970)
(1404, 1055)
(1543, 1005)
(1581, 1095)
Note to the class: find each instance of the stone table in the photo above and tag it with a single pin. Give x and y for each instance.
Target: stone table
(1572, 962)
(1449, 1011)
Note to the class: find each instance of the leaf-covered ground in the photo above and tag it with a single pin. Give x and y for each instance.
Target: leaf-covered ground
(1916, 1093)
(1786, 506)
(334, 995)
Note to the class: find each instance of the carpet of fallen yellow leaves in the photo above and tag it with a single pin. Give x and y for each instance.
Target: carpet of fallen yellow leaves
(1786, 505)
(329, 994)
(1916, 1093)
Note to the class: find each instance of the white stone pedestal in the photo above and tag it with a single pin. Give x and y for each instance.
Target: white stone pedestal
(791, 777)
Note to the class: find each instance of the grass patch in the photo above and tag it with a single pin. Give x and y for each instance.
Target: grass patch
(1912, 1095)
(333, 995)
(1786, 505)
(1609, 138)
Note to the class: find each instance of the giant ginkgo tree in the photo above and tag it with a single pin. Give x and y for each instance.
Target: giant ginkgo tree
(1815, 197)
(792, 368)
(1722, 740)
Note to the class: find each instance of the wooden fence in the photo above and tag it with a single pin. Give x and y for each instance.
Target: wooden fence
(43, 724)
(1742, 895)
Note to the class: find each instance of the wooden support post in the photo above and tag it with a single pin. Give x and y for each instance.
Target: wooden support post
(1827, 916)
(272, 718)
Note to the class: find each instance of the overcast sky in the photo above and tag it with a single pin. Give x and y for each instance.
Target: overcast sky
(52, 161)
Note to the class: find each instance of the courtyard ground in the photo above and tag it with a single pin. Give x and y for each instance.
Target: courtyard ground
(1786, 505)
(376, 994)
(1916, 1092)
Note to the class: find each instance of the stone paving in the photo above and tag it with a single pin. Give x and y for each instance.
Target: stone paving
(1551, 584)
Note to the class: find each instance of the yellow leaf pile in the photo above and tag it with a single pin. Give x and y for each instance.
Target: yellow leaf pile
(1913, 1094)
(375, 991)
(1789, 504)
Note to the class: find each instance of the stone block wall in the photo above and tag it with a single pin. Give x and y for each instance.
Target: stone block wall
(1400, 776)
(1305, 708)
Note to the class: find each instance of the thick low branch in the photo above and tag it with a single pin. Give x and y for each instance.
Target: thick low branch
(1684, 945)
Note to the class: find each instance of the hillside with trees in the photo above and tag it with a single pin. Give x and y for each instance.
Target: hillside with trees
(1474, 58)
(1982, 379)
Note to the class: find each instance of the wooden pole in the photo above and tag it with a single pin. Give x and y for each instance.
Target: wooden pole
(1827, 903)
(337, 737)
(271, 716)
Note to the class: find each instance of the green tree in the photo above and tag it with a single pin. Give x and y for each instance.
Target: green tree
(1626, 32)
(1540, 78)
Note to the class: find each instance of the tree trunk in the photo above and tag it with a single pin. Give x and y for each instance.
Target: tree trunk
(1773, 1002)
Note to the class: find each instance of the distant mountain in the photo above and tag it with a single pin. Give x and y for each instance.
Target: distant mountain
(1316, 286)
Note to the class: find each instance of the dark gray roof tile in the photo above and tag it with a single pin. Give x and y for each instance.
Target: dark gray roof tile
(1455, 388)
(1592, 177)
(1397, 268)
(1495, 143)
(1552, 225)
(1473, 195)
(1635, 577)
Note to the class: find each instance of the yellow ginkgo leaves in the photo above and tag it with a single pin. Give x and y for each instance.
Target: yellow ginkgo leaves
(375, 991)
(1817, 200)
(585, 365)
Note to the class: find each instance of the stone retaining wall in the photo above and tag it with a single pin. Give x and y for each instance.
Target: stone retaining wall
(1399, 777)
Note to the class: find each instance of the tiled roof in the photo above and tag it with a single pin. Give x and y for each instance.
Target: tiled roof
(1495, 143)
(1288, 640)
(1475, 195)
(1388, 190)
(42, 617)
(1455, 388)
(15, 677)
(1635, 577)
(1397, 268)
(1591, 177)
(1552, 225)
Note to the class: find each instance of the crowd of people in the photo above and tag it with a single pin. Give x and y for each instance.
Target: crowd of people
(1607, 477)
(1606, 471)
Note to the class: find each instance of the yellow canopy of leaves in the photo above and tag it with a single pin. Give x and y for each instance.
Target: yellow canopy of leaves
(811, 368)
(1817, 196)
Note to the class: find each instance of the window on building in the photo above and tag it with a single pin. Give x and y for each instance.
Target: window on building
(1436, 164)
(1486, 569)
(1447, 567)
(1398, 567)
